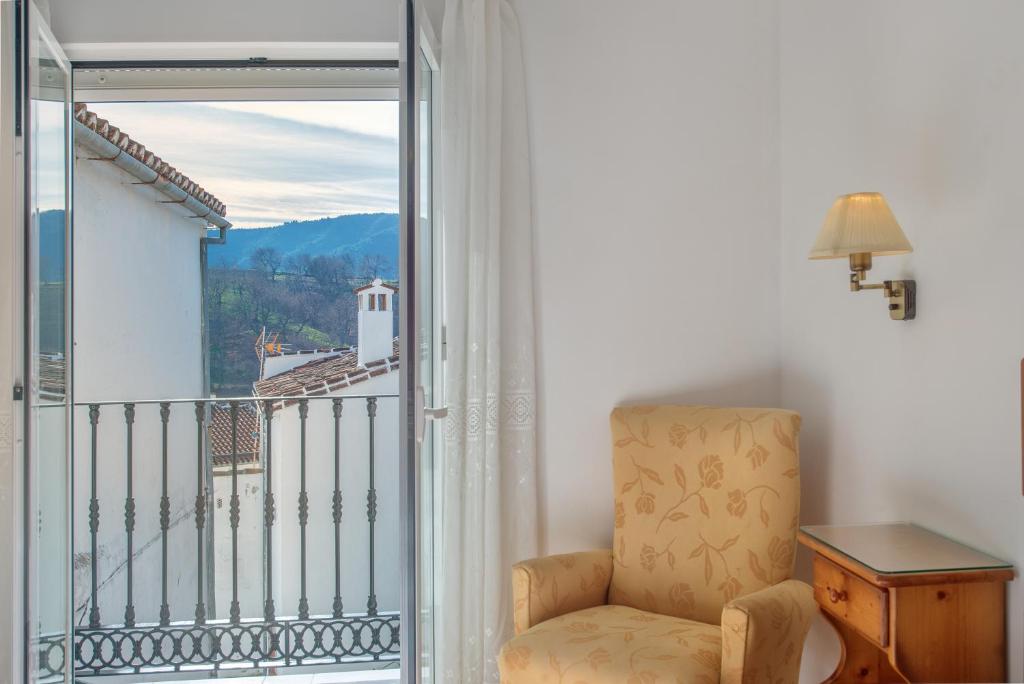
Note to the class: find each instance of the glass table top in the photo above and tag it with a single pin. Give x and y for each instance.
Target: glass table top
(893, 548)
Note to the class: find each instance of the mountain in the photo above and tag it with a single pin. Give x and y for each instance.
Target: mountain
(356, 235)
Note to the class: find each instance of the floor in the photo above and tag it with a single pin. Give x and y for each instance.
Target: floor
(362, 677)
(351, 677)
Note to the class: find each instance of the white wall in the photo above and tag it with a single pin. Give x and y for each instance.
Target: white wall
(137, 326)
(251, 569)
(655, 153)
(223, 21)
(674, 212)
(918, 421)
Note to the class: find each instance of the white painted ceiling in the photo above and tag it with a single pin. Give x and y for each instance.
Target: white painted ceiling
(172, 21)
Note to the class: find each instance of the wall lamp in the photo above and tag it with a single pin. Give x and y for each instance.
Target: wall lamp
(861, 226)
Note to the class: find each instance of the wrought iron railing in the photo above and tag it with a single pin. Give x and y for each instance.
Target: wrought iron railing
(325, 635)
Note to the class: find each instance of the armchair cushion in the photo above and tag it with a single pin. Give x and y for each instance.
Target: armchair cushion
(763, 633)
(613, 645)
(544, 588)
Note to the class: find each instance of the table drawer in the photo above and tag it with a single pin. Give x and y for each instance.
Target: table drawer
(859, 604)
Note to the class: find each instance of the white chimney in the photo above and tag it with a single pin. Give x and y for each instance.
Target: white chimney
(376, 304)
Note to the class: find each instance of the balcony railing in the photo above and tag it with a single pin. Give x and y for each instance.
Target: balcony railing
(281, 636)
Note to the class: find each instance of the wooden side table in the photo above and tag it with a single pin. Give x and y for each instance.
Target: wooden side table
(910, 605)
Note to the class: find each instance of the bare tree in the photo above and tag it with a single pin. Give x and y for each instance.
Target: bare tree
(268, 260)
(373, 266)
(331, 273)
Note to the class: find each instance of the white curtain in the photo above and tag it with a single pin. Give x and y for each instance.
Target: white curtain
(489, 489)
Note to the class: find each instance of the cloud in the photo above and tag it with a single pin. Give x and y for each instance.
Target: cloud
(372, 118)
(272, 161)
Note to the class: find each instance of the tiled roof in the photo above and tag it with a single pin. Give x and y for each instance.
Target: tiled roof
(52, 385)
(248, 434)
(137, 150)
(323, 376)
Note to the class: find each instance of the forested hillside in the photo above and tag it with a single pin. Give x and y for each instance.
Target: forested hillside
(296, 280)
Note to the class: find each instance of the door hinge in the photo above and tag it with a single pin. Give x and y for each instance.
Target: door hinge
(19, 393)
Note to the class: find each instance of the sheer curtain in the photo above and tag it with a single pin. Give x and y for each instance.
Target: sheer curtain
(489, 489)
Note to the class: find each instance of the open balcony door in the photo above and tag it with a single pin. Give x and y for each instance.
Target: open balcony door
(43, 138)
(421, 333)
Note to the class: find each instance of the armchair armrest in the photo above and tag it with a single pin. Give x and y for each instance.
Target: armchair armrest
(544, 588)
(763, 633)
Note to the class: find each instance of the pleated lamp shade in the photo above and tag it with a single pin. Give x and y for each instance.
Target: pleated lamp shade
(860, 223)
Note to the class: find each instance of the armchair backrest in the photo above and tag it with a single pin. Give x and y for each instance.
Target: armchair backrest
(707, 504)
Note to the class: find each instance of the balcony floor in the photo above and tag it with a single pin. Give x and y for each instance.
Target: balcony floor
(378, 676)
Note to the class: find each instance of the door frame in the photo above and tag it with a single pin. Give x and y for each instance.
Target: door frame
(12, 630)
(23, 23)
(13, 356)
(408, 482)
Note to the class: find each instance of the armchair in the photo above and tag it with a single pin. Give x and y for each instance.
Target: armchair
(696, 587)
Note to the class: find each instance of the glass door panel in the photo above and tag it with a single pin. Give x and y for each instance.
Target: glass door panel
(47, 143)
(427, 333)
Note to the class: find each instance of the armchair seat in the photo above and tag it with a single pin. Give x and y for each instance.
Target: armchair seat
(614, 645)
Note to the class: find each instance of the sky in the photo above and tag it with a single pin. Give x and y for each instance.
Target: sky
(272, 162)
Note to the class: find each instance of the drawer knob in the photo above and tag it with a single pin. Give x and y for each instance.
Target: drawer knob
(836, 596)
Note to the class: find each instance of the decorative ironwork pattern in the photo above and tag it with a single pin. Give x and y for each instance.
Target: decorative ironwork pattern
(280, 643)
(52, 653)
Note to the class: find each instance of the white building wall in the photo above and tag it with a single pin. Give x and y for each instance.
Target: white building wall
(137, 323)
(320, 486)
(250, 541)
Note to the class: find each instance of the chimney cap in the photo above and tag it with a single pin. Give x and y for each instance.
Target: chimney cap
(376, 283)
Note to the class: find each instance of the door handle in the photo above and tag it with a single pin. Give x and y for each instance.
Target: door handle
(424, 413)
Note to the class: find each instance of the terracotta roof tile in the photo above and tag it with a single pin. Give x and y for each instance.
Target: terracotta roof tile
(248, 434)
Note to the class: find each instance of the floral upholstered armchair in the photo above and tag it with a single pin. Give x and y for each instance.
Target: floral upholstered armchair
(696, 588)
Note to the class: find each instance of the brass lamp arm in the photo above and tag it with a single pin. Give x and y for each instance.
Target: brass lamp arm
(902, 294)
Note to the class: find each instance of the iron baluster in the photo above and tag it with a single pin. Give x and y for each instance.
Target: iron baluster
(303, 509)
(129, 515)
(338, 607)
(165, 514)
(200, 512)
(234, 514)
(268, 514)
(371, 506)
(94, 514)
